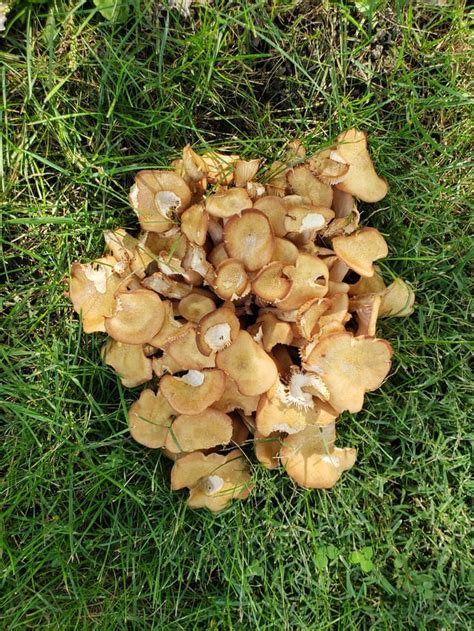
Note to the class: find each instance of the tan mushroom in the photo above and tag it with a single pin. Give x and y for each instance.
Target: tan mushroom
(285, 251)
(156, 196)
(196, 305)
(214, 480)
(249, 238)
(138, 317)
(149, 419)
(231, 281)
(184, 350)
(219, 167)
(205, 430)
(195, 391)
(361, 179)
(366, 309)
(327, 170)
(271, 284)
(245, 171)
(397, 300)
(171, 328)
(275, 211)
(129, 361)
(228, 202)
(232, 399)
(304, 183)
(360, 249)
(217, 330)
(312, 460)
(267, 449)
(248, 365)
(350, 367)
(194, 223)
(166, 286)
(310, 277)
(273, 331)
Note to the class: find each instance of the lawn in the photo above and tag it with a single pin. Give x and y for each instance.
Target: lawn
(93, 538)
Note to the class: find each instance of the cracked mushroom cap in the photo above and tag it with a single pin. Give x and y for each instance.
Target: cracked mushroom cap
(307, 219)
(397, 300)
(156, 196)
(361, 180)
(193, 432)
(245, 361)
(249, 238)
(149, 419)
(360, 249)
(350, 367)
(129, 361)
(213, 480)
(194, 391)
(311, 459)
(92, 289)
(138, 317)
(217, 330)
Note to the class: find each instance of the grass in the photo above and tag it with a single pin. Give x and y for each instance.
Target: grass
(92, 536)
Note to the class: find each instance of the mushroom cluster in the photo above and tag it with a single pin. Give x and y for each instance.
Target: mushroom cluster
(248, 303)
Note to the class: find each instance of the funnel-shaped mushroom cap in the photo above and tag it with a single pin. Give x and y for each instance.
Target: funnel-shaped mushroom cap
(275, 210)
(304, 183)
(186, 353)
(217, 330)
(199, 431)
(310, 277)
(249, 239)
(214, 480)
(246, 362)
(194, 223)
(311, 459)
(129, 361)
(227, 203)
(360, 249)
(193, 392)
(92, 292)
(350, 367)
(149, 419)
(267, 449)
(232, 399)
(397, 300)
(156, 196)
(138, 317)
(361, 180)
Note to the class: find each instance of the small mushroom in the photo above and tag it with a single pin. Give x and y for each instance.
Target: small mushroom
(397, 300)
(138, 317)
(285, 251)
(171, 328)
(194, 223)
(166, 286)
(304, 183)
(195, 391)
(245, 171)
(273, 331)
(228, 203)
(366, 309)
(360, 249)
(217, 330)
(312, 460)
(204, 430)
(129, 361)
(267, 449)
(270, 284)
(249, 239)
(327, 170)
(350, 367)
(275, 211)
(214, 480)
(232, 399)
(231, 281)
(186, 353)
(219, 167)
(361, 180)
(252, 369)
(310, 277)
(149, 419)
(196, 305)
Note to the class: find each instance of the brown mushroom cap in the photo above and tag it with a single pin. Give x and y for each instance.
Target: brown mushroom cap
(310, 276)
(185, 352)
(214, 480)
(246, 362)
(311, 219)
(228, 203)
(129, 361)
(149, 419)
(249, 239)
(366, 309)
(194, 223)
(231, 281)
(285, 251)
(245, 171)
(138, 317)
(304, 183)
(273, 331)
(368, 285)
(327, 170)
(275, 210)
(267, 449)
(196, 305)
(199, 431)
(270, 284)
(155, 196)
(232, 399)
(360, 249)
(361, 180)
(311, 459)
(219, 167)
(171, 328)
(350, 367)
(397, 300)
(193, 392)
(217, 330)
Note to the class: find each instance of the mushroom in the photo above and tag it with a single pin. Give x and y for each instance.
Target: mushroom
(219, 167)
(304, 183)
(267, 449)
(138, 317)
(129, 361)
(311, 459)
(327, 170)
(249, 238)
(213, 480)
(195, 391)
(350, 367)
(273, 331)
(231, 281)
(275, 211)
(149, 419)
(310, 277)
(360, 249)
(194, 223)
(252, 369)
(366, 309)
(245, 171)
(228, 202)
(232, 399)
(217, 330)
(205, 430)
(271, 284)
(196, 305)
(156, 196)
(185, 352)
(397, 300)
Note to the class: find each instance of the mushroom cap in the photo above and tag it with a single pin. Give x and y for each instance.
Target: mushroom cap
(219, 167)
(275, 211)
(267, 449)
(217, 330)
(249, 238)
(92, 289)
(185, 352)
(368, 285)
(350, 367)
(155, 196)
(129, 361)
(149, 419)
(310, 277)
(245, 171)
(228, 202)
(360, 249)
(361, 180)
(273, 331)
(311, 459)
(167, 286)
(304, 183)
(196, 305)
(138, 317)
(327, 170)
(397, 300)
(199, 431)
(366, 309)
(193, 392)
(214, 480)
(246, 362)
(171, 328)
(232, 399)
(231, 281)
(307, 218)
(270, 284)
(194, 223)
(285, 251)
